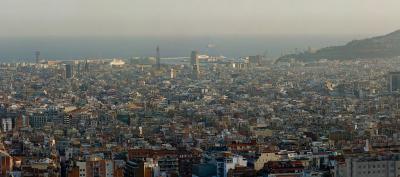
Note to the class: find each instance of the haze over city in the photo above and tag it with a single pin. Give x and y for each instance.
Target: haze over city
(97, 26)
(197, 17)
(199, 88)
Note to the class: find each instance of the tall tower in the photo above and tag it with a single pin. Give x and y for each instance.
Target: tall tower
(194, 62)
(193, 57)
(68, 71)
(158, 58)
(37, 56)
(86, 67)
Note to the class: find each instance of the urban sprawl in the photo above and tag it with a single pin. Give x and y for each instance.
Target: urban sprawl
(200, 116)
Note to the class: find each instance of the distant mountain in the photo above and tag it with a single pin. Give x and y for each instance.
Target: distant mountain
(386, 46)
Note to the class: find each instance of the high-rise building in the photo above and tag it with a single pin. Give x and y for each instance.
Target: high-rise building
(78, 69)
(369, 166)
(173, 73)
(195, 63)
(67, 119)
(394, 81)
(7, 124)
(99, 168)
(86, 67)
(37, 57)
(22, 122)
(37, 120)
(193, 57)
(255, 60)
(68, 71)
(158, 62)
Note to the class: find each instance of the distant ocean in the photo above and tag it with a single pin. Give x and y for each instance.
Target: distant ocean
(60, 48)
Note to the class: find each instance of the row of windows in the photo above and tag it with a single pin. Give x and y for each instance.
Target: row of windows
(369, 172)
(373, 172)
(373, 166)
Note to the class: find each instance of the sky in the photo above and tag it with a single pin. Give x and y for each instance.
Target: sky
(33, 18)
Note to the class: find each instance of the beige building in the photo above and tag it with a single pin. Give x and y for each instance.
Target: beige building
(378, 166)
(264, 158)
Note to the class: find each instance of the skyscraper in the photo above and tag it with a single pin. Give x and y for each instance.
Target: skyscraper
(194, 62)
(78, 69)
(37, 56)
(394, 81)
(68, 71)
(158, 58)
(86, 67)
(193, 57)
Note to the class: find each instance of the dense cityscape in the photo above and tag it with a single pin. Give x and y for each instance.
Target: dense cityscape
(199, 88)
(200, 116)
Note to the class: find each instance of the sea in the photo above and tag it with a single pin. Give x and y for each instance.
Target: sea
(18, 49)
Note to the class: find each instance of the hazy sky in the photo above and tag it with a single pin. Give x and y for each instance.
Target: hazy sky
(196, 17)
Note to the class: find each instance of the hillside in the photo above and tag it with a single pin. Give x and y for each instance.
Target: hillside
(386, 46)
